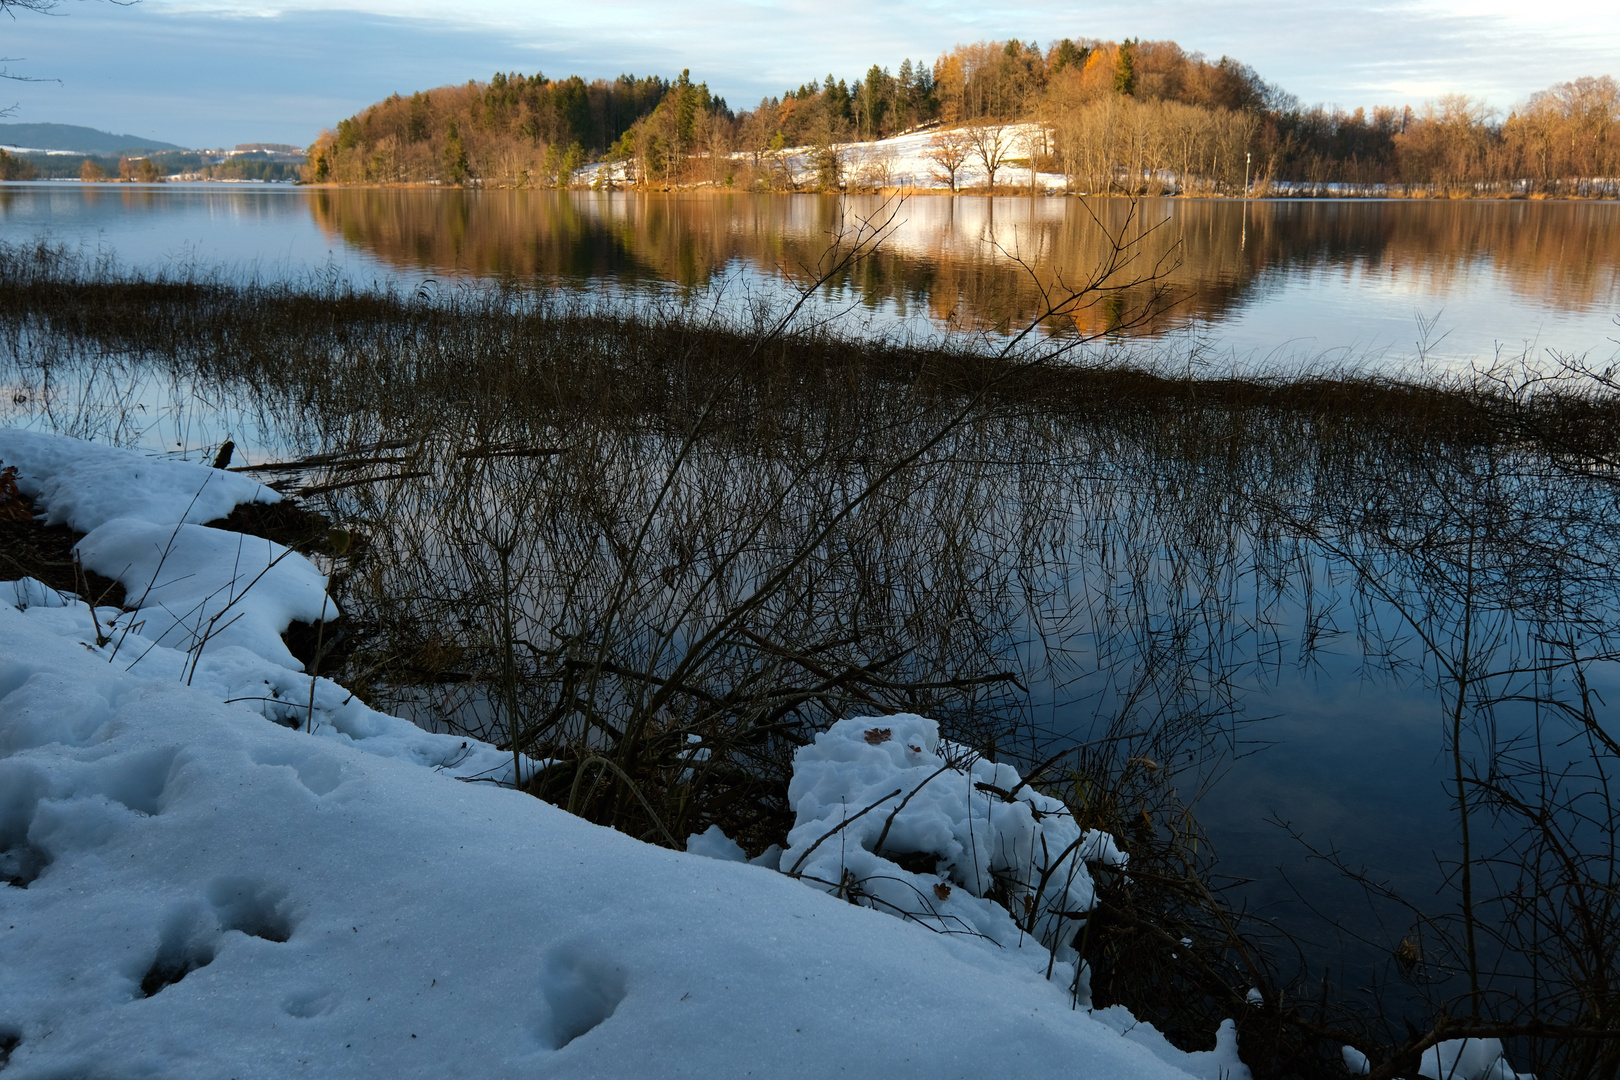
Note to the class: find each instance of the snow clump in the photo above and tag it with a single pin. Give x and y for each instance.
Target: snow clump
(889, 816)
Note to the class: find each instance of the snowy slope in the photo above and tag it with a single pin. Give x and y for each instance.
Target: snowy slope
(900, 161)
(201, 892)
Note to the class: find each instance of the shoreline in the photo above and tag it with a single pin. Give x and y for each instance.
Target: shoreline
(713, 189)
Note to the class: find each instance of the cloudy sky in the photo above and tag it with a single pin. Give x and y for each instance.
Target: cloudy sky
(219, 72)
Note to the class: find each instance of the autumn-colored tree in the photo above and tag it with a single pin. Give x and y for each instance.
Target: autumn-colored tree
(988, 79)
(1123, 144)
(1033, 141)
(91, 173)
(505, 128)
(1448, 144)
(16, 168)
(1564, 133)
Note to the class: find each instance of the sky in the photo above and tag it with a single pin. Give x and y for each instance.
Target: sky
(207, 73)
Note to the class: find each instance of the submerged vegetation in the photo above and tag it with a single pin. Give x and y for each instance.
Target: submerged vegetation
(661, 549)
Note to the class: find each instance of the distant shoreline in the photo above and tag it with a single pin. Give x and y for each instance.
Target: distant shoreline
(718, 191)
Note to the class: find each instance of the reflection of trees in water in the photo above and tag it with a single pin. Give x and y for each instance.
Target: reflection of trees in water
(1566, 254)
(958, 259)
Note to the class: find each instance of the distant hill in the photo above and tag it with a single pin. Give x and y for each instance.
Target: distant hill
(78, 140)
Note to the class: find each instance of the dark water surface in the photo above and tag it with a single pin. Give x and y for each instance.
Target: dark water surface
(1274, 284)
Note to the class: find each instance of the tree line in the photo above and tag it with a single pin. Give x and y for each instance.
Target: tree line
(148, 168)
(1132, 117)
(513, 130)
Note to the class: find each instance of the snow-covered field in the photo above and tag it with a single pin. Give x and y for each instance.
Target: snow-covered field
(216, 869)
(900, 161)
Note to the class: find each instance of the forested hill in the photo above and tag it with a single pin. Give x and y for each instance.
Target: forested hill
(1121, 116)
(78, 140)
(526, 130)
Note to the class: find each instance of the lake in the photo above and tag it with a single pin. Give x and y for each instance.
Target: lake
(1398, 286)
(1157, 581)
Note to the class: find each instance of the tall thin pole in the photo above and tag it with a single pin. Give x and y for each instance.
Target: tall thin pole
(1247, 157)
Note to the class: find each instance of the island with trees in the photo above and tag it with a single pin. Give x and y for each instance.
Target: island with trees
(1130, 117)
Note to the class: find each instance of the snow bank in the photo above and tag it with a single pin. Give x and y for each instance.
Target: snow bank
(873, 792)
(899, 161)
(1221, 1063)
(209, 605)
(194, 588)
(212, 895)
(84, 485)
(1468, 1059)
(247, 682)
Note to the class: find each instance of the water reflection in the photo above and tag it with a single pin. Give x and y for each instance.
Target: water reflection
(1259, 284)
(983, 263)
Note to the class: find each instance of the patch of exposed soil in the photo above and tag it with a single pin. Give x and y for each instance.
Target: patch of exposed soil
(29, 548)
(289, 525)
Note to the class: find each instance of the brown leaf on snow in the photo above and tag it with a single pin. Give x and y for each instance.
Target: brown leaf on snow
(943, 891)
(879, 735)
(13, 507)
(914, 749)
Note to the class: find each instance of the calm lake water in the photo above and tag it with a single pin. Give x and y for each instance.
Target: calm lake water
(1344, 745)
(1391, 285)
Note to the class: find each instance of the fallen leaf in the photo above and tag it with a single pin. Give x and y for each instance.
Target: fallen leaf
(879, 735)
(13, 507)
(943, 891)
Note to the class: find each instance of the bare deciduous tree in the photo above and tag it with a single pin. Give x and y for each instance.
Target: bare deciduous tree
(949, 151)
(992, 144)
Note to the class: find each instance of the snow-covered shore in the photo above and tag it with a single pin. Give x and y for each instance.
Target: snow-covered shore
(363, 916)
(214, 865)
(199, 891)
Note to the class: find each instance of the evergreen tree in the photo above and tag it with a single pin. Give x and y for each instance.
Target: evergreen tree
(1068, 54)
(416, 129)
(836, 97)
(686, 109)
(1125, 69)
(455, 154)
